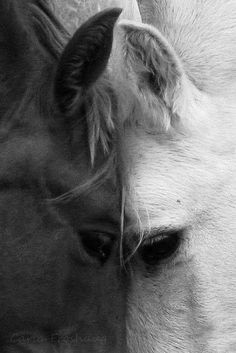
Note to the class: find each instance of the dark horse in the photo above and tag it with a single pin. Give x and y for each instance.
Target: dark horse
(61, 286)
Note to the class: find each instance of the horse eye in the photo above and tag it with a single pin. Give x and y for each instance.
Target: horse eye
(97, 245)
(160, 247)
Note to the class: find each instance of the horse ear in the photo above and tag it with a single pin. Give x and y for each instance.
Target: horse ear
(84, 59)
(153, 68)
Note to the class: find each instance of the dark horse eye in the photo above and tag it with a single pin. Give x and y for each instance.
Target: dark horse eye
(160, 247)
(97, 245)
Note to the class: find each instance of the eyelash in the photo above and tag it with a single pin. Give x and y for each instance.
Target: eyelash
(153, 239)
(160, 247)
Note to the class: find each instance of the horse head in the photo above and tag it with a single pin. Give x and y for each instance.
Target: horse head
(59, 238)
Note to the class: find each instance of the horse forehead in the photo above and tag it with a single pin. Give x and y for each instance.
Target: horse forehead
(167, 179)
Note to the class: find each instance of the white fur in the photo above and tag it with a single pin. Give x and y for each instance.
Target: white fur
(188, 179)
(203, 33)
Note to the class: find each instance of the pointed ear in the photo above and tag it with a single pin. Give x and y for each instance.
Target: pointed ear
(84, 59)
(154, 69)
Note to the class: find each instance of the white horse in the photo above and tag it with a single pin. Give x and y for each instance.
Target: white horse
(182, 174)
(180, 149)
